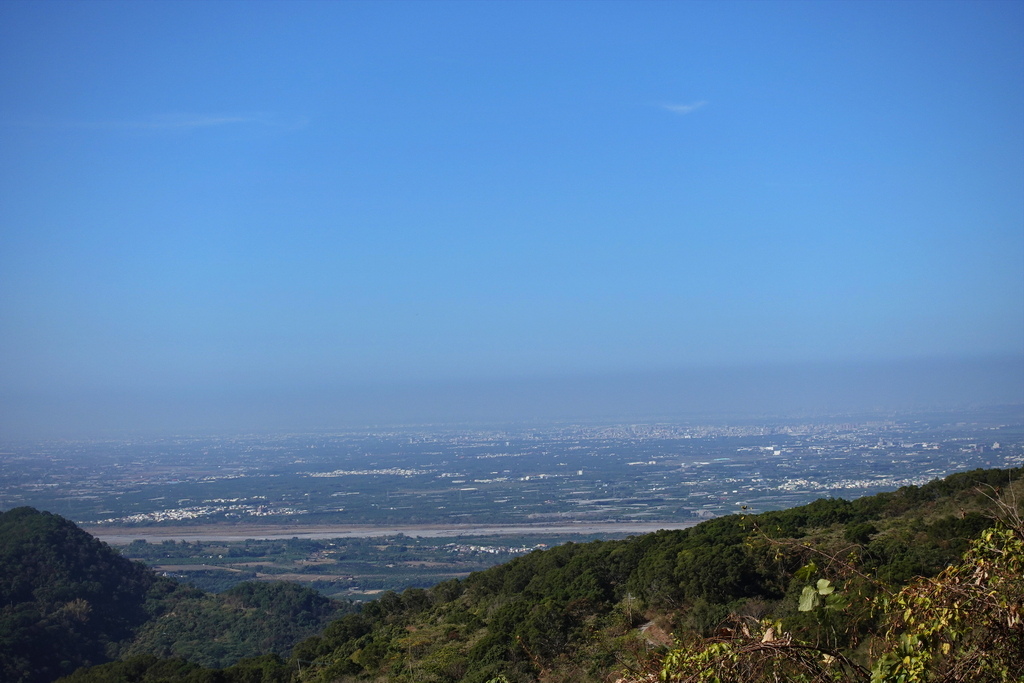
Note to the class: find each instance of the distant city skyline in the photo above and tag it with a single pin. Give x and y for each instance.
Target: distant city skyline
(301, 215)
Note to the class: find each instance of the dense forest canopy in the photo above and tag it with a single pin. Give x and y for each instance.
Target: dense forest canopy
(832, 589)
(69, 600)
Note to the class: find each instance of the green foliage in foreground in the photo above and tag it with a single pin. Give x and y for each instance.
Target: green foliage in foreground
(572, 613)
(965, 625)
(149, 669)
(831, 583)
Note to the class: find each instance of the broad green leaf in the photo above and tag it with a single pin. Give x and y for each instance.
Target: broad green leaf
(808, 599)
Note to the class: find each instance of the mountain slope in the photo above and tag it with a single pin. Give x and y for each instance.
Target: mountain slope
(587, 612)
(572, 613)
(252, 618)
(68, 600)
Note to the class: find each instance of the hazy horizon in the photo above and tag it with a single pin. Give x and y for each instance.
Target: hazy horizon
(766, 392)
(308, 215)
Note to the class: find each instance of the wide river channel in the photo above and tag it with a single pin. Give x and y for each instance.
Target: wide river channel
(224, 532)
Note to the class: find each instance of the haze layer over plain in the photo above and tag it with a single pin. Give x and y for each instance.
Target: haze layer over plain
(306, 215)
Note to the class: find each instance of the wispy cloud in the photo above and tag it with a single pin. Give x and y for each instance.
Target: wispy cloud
(173, 122)
(184, 121)
(683, 109)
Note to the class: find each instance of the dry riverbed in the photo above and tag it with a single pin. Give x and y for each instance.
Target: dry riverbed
(228, 532)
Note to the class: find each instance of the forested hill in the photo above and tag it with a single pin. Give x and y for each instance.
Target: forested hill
(68, 600)
(600, 611)
(596, 611)
(820, 579)
(66, 596)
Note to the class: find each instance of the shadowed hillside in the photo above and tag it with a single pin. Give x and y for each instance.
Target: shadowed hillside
(69, 600)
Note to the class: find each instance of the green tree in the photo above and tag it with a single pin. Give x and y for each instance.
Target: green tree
(965, 625)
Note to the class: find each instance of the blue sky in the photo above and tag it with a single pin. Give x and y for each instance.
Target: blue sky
(201, 198)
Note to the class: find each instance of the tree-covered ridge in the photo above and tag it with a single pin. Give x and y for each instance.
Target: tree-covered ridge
(595, 611)
(150, 669)
(69, 600)
(820, 577)
(965, 625)
(250, 618)
(66, 599)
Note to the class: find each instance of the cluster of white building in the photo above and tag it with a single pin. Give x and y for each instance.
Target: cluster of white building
(195, 512)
